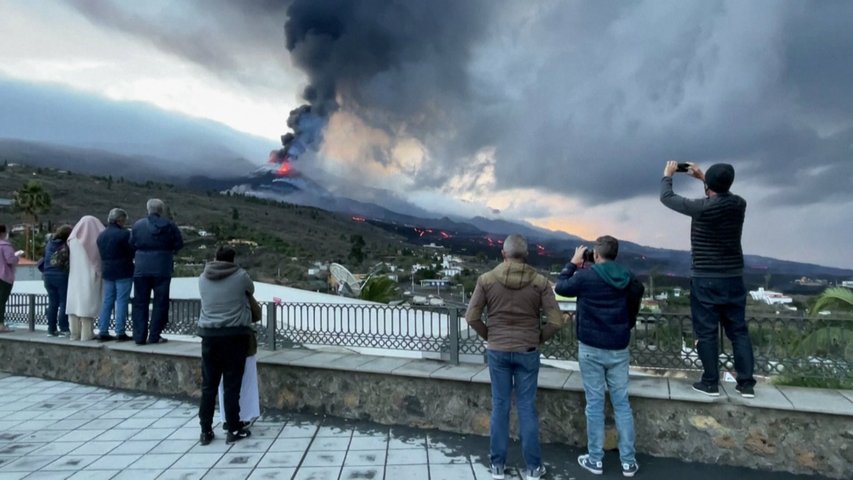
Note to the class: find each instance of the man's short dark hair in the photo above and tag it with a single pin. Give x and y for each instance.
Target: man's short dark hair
(225, 254)
(607, 247)
(2, 229)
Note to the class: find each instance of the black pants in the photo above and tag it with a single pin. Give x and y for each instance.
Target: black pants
(715, 301)
(222, 357)
(142, 289)
(5, 292)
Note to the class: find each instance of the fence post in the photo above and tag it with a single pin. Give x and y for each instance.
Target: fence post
(271, 325)
(31, 313)
(453, 321)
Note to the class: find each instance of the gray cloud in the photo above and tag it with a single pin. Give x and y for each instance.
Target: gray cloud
(582, 98)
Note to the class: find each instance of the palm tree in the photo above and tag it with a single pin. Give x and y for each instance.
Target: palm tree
(379, 289)
(33, 200)
(837, 296)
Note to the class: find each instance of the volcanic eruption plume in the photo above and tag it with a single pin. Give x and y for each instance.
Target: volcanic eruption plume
(385, 62)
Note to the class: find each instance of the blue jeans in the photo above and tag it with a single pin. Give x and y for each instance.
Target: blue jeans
(714, 301)
(601, 367)
(116, 294)
(520, 372)
(143, 287)
(57, 291)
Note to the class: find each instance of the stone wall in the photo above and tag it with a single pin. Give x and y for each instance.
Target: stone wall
(722, 433)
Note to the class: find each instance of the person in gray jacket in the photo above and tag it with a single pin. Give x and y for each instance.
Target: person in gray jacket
(225, 327)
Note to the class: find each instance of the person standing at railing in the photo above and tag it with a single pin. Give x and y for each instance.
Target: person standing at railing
(514, 295)
(8, 261)
(117, 267)
(604, 331)
(155, 240)
(717, 292)
(55, 273)
(225, 328)
(84, 278)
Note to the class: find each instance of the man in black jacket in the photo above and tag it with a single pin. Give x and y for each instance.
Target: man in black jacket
(117, 269)
(604, 330)
(717, 292)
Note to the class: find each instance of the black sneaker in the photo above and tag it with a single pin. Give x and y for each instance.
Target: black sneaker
(243, 425)
(746, 391)
(52, 334)
(123, 338)
(106, 338)
(206, 438)
(710, 390)
(237, 435)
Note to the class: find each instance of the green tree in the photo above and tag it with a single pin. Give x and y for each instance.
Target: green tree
(834, 297)
(379, 289)
(356, 252)
(235, 214)
(33, 200)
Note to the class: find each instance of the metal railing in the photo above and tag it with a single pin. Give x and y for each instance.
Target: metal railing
(820, 348)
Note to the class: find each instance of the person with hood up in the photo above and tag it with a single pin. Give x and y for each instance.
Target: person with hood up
(603, 330)
(155, 240)
(514, 295)
(84, 295)
(55, 266)
(225, 328)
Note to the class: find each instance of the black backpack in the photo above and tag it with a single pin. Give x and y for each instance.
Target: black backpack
(634, 296)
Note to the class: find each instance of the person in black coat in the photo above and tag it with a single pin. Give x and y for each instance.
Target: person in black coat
(155, 241)
(55, 275)
(117, 269)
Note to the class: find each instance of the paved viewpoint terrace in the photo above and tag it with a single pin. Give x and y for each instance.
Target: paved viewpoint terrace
(58, 430)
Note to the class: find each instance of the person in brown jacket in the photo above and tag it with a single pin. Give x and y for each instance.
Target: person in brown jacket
(514, 295)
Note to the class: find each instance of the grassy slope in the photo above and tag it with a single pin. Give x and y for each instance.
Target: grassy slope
(289, 237)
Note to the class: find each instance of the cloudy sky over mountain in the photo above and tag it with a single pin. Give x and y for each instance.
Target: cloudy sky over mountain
(557, 112)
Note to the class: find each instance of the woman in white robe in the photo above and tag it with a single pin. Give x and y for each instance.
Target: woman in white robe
(84, 278)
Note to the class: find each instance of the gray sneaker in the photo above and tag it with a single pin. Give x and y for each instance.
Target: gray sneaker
(629, 469)
(497, 472)
(536, 473)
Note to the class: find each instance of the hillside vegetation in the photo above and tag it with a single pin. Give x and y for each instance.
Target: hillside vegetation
(276, 242)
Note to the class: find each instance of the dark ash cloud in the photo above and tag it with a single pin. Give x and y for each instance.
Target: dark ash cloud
(587, 99)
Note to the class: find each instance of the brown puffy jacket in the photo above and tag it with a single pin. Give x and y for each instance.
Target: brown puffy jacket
(514, 295)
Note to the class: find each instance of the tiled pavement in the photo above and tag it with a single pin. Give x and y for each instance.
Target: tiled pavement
(59, 430)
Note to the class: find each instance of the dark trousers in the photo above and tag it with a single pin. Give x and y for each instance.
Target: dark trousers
(5, 292)
(715, 301)
(222, 357)
(57, 291)
(142, 290)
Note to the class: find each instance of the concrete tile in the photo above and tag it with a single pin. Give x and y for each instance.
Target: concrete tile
(156, 461)
(239, 460)
(329, 444)
(94, 475)
(140, 447)
(71, 462)
(334, 431)
(483, 376)
(284, 357)
(140, 474)
(298, 431)
(437, 456)
(50, 475)
(368, 443)
(408, 472)
(158, 434)
(457, 372)
(817, 400)
(323, 459)
(317, 360)
(173, 446)
(648, 387)
(109, 462)
(318, 473)
(683, 390)
(118, 434)
(182, 474)
(418, 368)
(19, 448)
(383, 365)
(30, 463)
(451, 472)
(290, 444)
(228, 474)
(272, 474)
(252, 444)
(847, 394)
(280, 459)
(365, 458)
(574, 383)
(99, 447)
(197, 460)
(553, 378)
(363, 473)
(58, 449)
(407, 457)
(766, 396)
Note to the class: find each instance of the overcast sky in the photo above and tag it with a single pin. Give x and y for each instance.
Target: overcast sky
(556, 112)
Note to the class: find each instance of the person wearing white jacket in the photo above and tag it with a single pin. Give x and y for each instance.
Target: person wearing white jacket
(84, 278)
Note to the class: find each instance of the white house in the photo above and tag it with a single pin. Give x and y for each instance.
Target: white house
(770, 297)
